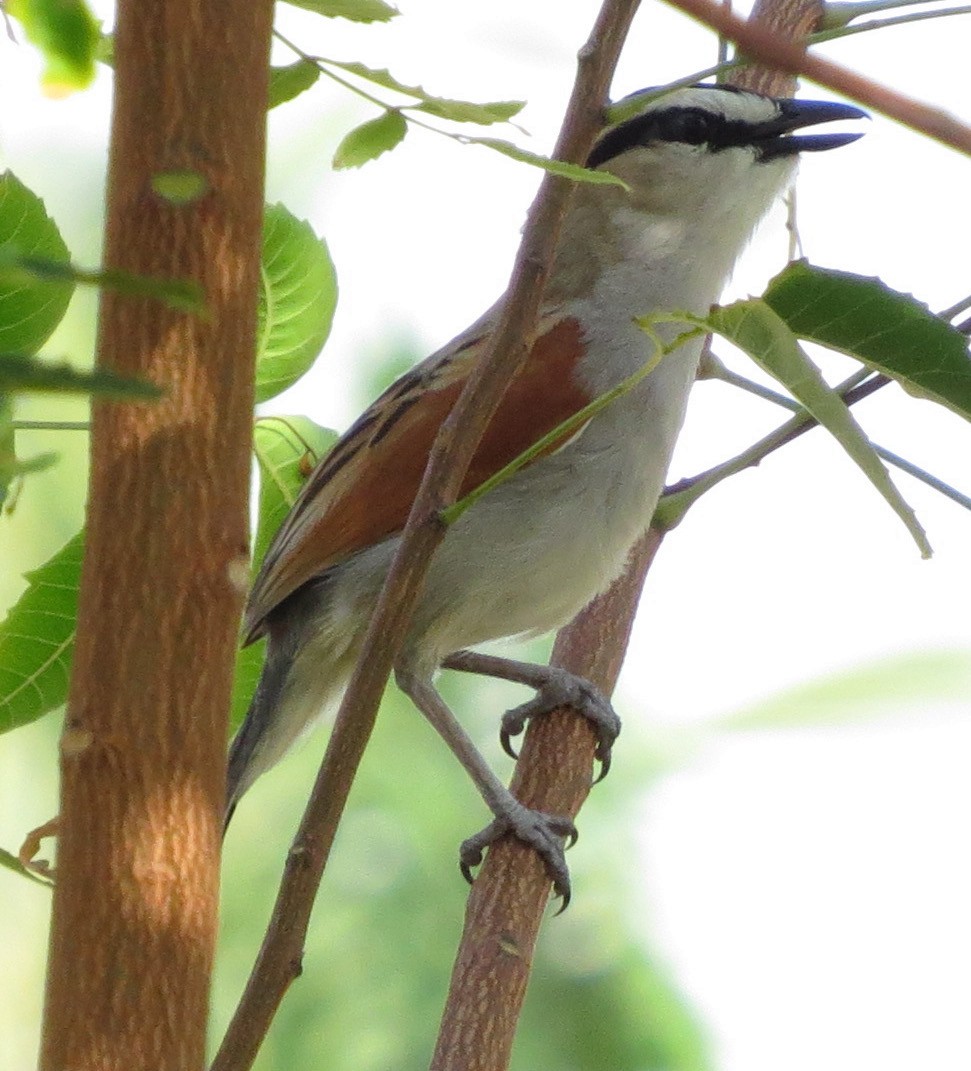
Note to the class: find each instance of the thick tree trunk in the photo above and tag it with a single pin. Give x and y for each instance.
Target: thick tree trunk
(144, 741)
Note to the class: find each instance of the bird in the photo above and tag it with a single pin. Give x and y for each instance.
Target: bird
(698, 167)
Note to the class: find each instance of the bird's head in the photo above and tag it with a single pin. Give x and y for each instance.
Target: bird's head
(702, 166)
(713, 145)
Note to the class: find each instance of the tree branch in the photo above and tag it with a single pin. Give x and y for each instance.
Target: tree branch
(512, 888)
(776, 52)
(278, 962)
(553, 773)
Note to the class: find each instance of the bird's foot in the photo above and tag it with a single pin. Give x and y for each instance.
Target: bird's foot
(549, 835)
(560, 688)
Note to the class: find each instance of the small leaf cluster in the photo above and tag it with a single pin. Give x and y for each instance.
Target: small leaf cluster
(297, 299)
(889, 333)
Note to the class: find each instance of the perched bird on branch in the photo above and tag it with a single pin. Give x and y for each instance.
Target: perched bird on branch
(701, 167)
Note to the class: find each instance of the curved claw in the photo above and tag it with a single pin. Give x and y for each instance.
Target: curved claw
(506, 733)
(544, 833)
(603, 755)
(514, 720)
(566, 689)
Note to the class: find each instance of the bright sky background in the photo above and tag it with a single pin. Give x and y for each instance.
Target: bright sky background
(809, 887)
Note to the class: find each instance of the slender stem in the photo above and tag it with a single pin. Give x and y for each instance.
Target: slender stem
(882, 24)
(956, 309)
(715, 369)
(52, 425)
(680, 497)
(774, 51)
(855, 9)
(861, 384)
(279, 958)
(324, 66)
(625, 108)
(924, 476)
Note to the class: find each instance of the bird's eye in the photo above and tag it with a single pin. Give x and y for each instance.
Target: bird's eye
(689, 125)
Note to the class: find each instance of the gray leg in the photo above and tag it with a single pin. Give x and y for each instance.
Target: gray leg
(543, 832)
(555, 688)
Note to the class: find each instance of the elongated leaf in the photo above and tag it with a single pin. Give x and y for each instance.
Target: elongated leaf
(355, 10)
(37, 639)
(298, 294)
(463, 111)
(460, 111)
(765, 337)
(555, 167)
(30, 308)
(67, 34)
(22, 374)
(889, 331)
(289, 82)
(183, 294)
(286, 448)
(370, 140)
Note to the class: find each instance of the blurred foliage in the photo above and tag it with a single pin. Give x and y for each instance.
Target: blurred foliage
(67, 34)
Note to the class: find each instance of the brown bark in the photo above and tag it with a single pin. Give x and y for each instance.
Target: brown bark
(280, 955)
(792, 20)
(142, 756)
(511, 891)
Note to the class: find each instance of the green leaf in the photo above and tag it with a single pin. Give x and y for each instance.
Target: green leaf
(370, 140)
(889, 331)
(298, 294)
(12, 467)
(246, 676)
(555, 167)
(764, 336)
(30, 309)
(182, 294)
(19, 373)
(286, 448)
(460, 111)
(289, 82)
(464, 111)
(67, 34)
(355, 10)
(37, 639)
(37, 636)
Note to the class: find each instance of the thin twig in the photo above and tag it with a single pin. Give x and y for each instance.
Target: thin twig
(511, 890)
(716, 370)
(956, 309)
(680, 497)
(51, 425)
(838, 32)
(774, 51)
(279, 958)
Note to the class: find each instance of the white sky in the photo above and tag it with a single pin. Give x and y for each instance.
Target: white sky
(810, 888)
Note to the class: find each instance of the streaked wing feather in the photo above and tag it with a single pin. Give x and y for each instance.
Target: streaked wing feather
(362, 491)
